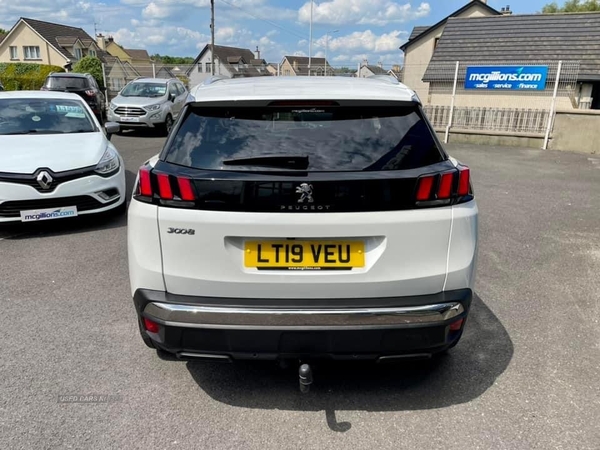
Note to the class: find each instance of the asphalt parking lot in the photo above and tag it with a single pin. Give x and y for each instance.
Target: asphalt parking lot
(525, 376)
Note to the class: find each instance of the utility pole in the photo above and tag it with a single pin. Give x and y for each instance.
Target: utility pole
(327, 47)
(212, 36)
(310, 38)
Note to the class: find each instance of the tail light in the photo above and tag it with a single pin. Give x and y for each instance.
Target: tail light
(164, 189)
(151, 326)
(444, 188)
(90, 93)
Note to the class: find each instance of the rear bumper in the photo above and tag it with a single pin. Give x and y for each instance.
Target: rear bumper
(270, 329)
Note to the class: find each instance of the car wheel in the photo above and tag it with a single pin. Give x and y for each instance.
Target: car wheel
(168, 125)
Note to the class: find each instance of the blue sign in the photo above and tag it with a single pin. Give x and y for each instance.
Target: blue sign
(531, 78)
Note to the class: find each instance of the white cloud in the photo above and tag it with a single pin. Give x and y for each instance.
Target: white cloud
(362, 12)
(365, 40)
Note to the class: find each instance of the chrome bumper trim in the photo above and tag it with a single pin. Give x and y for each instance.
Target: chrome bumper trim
(208, 316)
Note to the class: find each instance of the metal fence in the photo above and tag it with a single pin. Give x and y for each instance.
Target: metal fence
(450, 106)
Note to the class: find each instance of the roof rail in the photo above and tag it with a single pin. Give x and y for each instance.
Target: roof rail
(214, 79)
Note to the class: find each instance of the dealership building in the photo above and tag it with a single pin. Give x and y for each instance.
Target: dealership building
(478, 35)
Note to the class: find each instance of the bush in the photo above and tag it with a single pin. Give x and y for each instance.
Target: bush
(91, 65)
(25, 76)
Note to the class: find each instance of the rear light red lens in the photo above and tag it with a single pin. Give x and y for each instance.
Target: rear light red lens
(164, 187)
(185, 189)
(424, 189)
(455, 326)
(463, 180)
(151, 326)
(445, 189)
(145, 183)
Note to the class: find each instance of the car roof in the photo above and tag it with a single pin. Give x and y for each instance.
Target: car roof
(152, 80)
(69, 75)
(39, 95)
(303, 88)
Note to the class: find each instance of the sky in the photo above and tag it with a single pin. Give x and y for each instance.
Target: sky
(354, 30)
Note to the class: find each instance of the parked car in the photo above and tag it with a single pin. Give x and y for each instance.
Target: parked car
(302, 218)
(148, 103)
(82, 84)
(55, 159)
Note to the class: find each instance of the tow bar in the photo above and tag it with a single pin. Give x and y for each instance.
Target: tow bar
(305, 377)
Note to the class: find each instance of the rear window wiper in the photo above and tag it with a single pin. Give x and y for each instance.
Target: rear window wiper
(280, 162)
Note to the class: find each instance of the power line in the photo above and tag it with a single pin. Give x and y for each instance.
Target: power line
(264, 20)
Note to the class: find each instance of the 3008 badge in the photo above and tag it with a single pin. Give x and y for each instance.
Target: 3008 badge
(188, 231)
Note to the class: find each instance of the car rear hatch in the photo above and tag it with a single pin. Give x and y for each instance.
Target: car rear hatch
(304, 200)
(75, 85)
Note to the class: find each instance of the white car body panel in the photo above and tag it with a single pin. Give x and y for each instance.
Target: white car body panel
(27, 153)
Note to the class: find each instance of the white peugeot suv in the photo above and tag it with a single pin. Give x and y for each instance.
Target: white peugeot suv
(299, 219)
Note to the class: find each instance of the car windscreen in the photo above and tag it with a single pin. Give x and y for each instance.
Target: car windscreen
(47, 116)
(66, 83)
(336, 138)
(144, 90)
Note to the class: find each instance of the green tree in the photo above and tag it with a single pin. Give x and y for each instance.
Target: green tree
(91, 65)
(3, 31)
(172, 60)
(572, 6)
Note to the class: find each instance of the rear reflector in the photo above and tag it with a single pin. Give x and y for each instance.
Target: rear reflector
(145, 184)
(463, 180)
(455, 326)
(445, 189)
(151, 326)
(164, 187)
(185, 189)
(424, 189)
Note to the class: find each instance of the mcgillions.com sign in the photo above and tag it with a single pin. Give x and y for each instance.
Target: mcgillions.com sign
(507, 77)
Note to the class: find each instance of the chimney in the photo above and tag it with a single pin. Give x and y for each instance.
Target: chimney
(110, 39)
(257, 53)
(295, 64)
(380, 64)
(396, 68)
(506, 11)
(101, 41)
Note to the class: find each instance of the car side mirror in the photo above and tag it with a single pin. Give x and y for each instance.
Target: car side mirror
(111, 128)
(172, 97)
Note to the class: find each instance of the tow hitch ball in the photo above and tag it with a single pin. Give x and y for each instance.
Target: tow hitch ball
(305, 377)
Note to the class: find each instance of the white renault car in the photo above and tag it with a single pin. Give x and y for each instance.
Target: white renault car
(55, 159)
(300, 219)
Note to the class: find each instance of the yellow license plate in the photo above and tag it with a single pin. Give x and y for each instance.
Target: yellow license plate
(304, 255)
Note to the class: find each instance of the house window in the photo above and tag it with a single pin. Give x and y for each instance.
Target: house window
(78, 53)
(436, 42)
(14, 53)
(31, 52)
(92, 53)
(208, 67)
(200, 68)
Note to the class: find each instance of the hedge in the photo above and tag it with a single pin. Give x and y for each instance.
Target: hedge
(25, 76)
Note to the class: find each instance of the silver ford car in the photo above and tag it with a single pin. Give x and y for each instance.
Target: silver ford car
(148, 103)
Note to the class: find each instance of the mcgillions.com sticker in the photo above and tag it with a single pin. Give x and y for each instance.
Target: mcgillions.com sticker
(48, 214)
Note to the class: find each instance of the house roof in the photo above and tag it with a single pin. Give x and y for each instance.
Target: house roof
(137, 53)
(376, 69)
(535, 38)
(230, 56)
(417, 31)
(456, 13)
(58, 35)
(302, 63)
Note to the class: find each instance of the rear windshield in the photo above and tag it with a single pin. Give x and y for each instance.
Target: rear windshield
(334, 138)
(66, 83)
